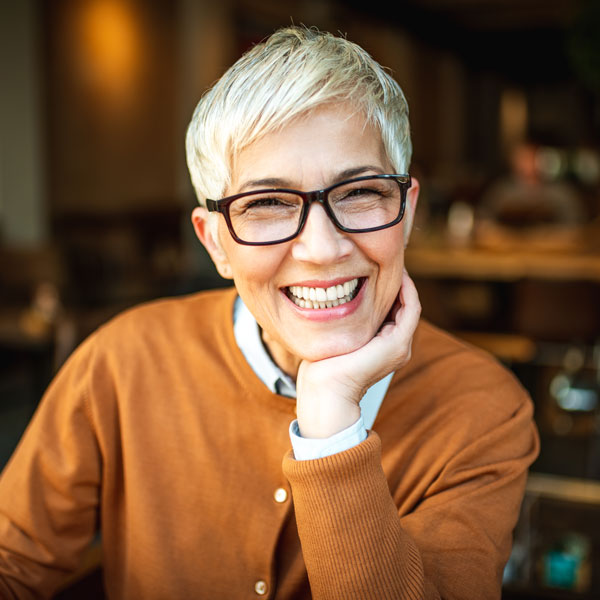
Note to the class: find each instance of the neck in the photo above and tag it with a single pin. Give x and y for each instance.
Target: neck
(285, 360)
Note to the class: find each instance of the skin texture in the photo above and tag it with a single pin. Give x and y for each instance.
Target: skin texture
(336, 358)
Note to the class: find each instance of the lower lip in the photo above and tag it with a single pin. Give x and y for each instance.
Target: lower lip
(329, 314)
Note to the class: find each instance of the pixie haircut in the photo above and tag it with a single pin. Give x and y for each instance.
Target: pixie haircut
(294, 71)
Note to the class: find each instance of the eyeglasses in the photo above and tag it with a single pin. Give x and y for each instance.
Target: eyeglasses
(273, 216)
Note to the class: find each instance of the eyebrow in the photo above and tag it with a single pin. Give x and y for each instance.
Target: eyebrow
(277, 182)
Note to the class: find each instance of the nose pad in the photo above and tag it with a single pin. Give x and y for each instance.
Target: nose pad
(320, 241)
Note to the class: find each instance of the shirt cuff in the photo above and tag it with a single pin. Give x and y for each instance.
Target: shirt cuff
(311, 448)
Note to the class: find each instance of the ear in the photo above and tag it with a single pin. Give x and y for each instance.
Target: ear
(412, 196)
(208, 235)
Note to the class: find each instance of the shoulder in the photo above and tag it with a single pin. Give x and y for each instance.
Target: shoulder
(175, 318)
(146, 351)
(442, 353)
(447, 372)
(432, 343)
(451, 397)
(160, 333)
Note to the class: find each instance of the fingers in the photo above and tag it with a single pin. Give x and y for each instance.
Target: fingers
(388, 351)
(396, 337)
(408, 315)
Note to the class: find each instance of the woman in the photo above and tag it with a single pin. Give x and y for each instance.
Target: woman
(170, 423)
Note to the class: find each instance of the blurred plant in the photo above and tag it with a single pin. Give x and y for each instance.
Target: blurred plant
(583, 44)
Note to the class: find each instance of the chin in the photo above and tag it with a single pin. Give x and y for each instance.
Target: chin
(331, 347)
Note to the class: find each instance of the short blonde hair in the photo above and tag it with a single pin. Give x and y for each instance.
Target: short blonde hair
(295, 70)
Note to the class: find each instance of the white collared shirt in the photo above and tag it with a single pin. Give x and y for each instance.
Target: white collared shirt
(247, 336)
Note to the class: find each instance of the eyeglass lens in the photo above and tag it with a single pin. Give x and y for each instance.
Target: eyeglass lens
(356, 205)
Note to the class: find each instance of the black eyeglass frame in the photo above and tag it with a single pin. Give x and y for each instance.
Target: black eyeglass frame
(222, 206)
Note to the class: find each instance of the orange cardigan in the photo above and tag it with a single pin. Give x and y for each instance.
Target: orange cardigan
(159, 433)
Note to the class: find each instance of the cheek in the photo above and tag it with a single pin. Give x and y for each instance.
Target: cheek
(255, 268)
(386, 249)
(388, 253)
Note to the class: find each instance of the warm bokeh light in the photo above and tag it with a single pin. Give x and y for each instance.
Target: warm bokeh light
(109, 43)
(513, 117)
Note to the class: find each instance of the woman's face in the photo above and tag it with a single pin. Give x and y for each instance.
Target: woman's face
(315, 151)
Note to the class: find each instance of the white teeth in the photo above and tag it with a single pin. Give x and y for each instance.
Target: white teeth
(311, 297)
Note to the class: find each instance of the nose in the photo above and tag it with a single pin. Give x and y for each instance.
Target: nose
(320, 241)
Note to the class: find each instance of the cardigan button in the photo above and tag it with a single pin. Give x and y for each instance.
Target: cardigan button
(260, 587)
(280, 495)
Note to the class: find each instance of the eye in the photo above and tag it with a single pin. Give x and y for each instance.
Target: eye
(265, 204)
(360, 192)
(258, 202)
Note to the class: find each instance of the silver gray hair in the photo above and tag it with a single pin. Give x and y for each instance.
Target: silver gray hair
(294, 71)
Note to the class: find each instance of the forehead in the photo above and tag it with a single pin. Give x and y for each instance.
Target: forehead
(313, 148)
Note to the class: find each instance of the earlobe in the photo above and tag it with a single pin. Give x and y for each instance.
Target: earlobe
(208, 237)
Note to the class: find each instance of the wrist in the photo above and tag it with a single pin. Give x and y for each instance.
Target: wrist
(310, 449)
(322, 417)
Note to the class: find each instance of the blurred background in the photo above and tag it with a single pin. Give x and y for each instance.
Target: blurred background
(95, 97)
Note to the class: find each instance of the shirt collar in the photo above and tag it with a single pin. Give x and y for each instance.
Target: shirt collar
(247, 336)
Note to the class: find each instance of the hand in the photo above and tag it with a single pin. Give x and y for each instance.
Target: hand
(329, 390)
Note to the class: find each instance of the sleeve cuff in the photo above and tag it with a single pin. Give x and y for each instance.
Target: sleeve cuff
(310, 448)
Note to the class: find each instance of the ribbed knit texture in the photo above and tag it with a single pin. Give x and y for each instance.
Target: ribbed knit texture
(336, 534)
(158, 429)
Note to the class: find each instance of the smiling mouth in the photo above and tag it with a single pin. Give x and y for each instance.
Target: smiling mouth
(319, 297)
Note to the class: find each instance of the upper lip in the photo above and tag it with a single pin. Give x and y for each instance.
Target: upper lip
(324, 283)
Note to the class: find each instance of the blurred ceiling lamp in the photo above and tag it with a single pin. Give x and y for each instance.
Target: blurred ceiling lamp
(513, 118)
(110, 48)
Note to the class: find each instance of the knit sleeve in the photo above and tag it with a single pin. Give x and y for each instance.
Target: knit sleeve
(49, 489)
(352, 541)
(453, 544)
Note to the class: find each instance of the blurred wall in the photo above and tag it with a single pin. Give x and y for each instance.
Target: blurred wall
(23, 214)
(112, 95)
